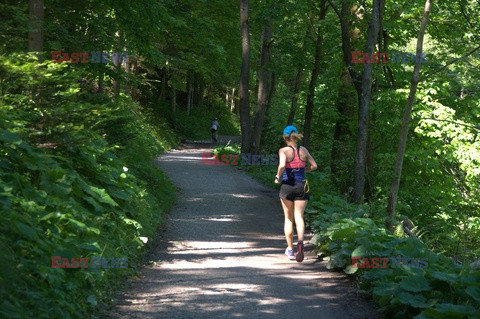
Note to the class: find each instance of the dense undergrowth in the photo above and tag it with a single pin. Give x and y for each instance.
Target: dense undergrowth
(414, 282)
(196, 125)
(77, 180)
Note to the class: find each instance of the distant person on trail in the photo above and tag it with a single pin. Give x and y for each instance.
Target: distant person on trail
(214, 129)
(294, 188)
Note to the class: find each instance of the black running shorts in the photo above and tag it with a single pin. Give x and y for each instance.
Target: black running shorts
(293, 192)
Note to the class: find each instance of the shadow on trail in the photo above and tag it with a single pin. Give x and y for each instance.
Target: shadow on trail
(223, 255)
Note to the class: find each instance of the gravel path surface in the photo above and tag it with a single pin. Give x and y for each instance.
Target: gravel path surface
(222, 255)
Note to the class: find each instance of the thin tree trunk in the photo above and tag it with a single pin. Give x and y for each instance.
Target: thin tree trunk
(344, 17)
(127, 70)
(173, 94)
(271, 93)
(36, 30)
(366, 88)
(392, 197)
(299, 76)
(307, 127)
(342, 147)
(371, 117)
(295, 91)
(263, 85)
(244, 78)
(189, 92)
(201, 92)
(101, 75)
(232, 100)
(195, 89)
(163, 86)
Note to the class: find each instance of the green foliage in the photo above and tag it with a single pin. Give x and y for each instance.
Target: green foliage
(440, 290)
(264, 173)
(71, 192)
(196, 126)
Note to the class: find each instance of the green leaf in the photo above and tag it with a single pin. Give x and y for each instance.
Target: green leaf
(92, 300)
(451, 278)
(48, 216)
(343, 233)
(9, 137)
(388, 289)
(25, 230)
(349, 270)
(415, 284)
(93, 247)
(451, 311)
(360, 251)
(78, 224)
(416, 301)
(473, 292)
(9, 311)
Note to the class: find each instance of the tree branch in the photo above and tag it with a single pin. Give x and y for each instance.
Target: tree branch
(449, 63)
(476, 127)
(462, 9)
(335, 9)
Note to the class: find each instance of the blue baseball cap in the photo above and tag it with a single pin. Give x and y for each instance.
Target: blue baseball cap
(289, 129)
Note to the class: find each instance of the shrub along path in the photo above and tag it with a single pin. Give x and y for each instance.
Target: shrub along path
(222, 255)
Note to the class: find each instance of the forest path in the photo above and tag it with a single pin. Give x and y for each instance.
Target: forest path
(222, 255)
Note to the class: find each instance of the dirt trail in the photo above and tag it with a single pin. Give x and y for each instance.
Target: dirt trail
(222, 256)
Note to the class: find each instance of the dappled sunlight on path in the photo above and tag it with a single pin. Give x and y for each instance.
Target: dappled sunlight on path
(223, 256)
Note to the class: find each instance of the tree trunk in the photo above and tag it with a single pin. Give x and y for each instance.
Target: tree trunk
(344, 17)
(201, 91)
(366, 88)
(295, 91)
(263, 85)
(392, 197)
(307, 127)
(189, 92)
(232, 100)
(127, 89)
(101, 76)
(244, 78)
(173, 94)
(299, 76)
(342, 147)
(195, 89)
(163, 86)
(371, 119)
(36, 30)
(271, 93)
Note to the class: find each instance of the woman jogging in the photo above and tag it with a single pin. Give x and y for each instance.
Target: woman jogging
(294, 189)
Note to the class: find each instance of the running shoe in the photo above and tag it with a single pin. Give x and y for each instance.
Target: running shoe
(290, 253)
(300, 256)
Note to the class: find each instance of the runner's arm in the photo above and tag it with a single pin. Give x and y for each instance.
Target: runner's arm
(313, 165)
(281, 165)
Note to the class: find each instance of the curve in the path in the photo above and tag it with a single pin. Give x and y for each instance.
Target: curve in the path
(223, 256)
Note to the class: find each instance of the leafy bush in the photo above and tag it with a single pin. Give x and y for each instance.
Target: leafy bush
(71, 192)
(442, 289)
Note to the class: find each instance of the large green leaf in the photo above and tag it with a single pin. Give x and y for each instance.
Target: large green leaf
(415, 284)
(451, 278)
(474, 292)
(416, 301)
(451, 311)
(9, 137)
